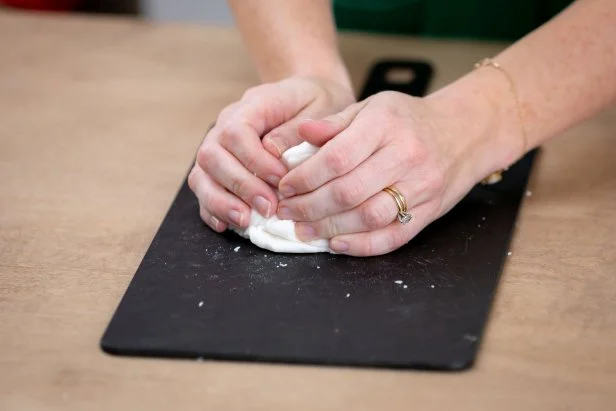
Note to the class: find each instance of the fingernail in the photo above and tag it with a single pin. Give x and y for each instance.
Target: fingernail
(273, 180)
(287, 191)
(269, 144)
(214, 222)
(305, 232)
(339, 246)
(262, 205)
(235, 217)
(284, 213)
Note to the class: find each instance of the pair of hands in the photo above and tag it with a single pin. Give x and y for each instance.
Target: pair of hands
(387, 139)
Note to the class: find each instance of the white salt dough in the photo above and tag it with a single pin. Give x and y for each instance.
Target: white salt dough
(279, 235)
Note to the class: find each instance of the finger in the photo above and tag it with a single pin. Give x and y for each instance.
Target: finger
(346, 192)
(227, 171)
(218, 208)
(375, 213)
(268, 106)
(211, 221)
(195, 185)
(282, 138)
(294, 132)
(386, 239)
(319, 132)
(244, 143)
(337, 157)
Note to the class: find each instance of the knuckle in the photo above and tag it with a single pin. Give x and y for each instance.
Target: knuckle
(400, 154)
(304, 212)
(418, 152)
(251, 92)
(387, 98)
(366, 247)
(329, 228)
(387, 94)
(438, 209)
(229, 135)
(349, 194)
(251, 161)
(226, 112)
(192, 178)
(204, 215)
(206, 158)
(304, 181)
(238, 186)
(375, 216)
(436, 181)
(396, 240)
(338, 160)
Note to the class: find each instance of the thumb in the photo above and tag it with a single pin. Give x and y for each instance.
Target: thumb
(319, 132)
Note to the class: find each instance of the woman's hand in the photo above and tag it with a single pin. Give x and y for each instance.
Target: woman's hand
(238, 162)
(432, 150)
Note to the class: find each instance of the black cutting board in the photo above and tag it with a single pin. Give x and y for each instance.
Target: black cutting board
(198, 294)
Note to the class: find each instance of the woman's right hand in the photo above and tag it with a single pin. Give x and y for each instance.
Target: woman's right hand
(238, 164)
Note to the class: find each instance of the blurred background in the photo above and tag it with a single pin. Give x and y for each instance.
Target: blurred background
(470, 19)
(201, 11)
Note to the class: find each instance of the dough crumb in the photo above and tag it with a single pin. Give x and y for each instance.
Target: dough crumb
(470, 337)
(529, 193)
(283, 265)
(236, 249)
(483, 219)
(431, 285)
(318, 267)
(509, 253)
(348, 295)
(200, 304)
(398, 281)
(405, 286)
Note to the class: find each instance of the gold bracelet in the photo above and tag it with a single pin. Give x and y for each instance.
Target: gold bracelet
(496, 176)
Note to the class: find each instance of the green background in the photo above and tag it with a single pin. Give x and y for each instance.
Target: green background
(472, 19)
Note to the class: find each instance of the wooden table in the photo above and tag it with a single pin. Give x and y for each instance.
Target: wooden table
(99, 121)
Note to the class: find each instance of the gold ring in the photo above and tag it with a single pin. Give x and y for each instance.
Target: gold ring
(403, 215)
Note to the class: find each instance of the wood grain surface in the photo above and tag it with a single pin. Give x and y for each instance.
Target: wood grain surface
(99, 120)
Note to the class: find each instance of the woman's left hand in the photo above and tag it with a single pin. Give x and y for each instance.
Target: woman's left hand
(432, 150)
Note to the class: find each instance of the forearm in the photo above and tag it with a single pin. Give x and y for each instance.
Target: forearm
(290, 38)
(565, 71)
(562, 73)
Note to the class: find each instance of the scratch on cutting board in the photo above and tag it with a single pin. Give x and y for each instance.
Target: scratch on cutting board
(467, 238)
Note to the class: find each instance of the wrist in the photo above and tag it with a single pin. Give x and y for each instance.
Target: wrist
(334, 72)
(485, 111)
(324, 64)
